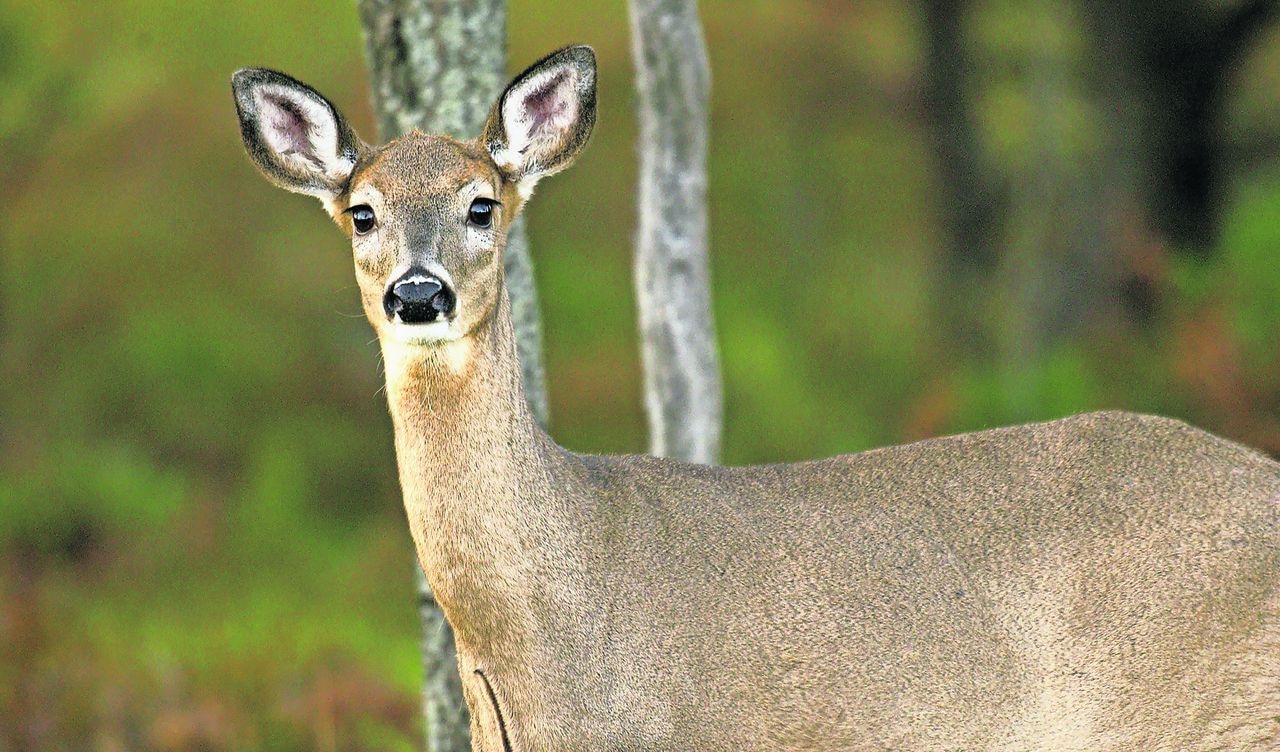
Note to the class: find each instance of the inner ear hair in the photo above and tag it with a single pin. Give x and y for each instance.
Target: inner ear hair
(540, 103)
(294, 135)
(287, 129)
(543, 119)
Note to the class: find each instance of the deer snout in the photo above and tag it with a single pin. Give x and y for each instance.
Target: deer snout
(419, 297)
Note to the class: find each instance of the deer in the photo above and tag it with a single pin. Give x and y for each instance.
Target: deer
(1108, 581)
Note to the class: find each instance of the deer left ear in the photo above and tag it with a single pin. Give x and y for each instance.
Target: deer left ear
(544, 118)
(295, 136)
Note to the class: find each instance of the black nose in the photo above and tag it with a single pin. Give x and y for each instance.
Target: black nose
(419, 297)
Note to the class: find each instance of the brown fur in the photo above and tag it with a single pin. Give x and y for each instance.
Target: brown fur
(1108, 581)
(1104, 582)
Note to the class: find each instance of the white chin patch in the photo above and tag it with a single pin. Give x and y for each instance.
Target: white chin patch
(423, 334)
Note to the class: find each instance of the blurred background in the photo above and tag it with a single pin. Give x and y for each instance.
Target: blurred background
(927, 217)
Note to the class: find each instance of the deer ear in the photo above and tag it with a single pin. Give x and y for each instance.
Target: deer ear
(544, 118)
(295, 136)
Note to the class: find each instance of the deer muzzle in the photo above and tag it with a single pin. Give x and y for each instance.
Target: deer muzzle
(419, 297)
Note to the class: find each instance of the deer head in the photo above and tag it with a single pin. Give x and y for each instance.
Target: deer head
(427, 215)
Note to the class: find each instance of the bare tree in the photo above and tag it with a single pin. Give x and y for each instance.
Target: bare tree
(969, 191)
(438, 65)
(1164, 66)
(1071, 238)
(682, 373)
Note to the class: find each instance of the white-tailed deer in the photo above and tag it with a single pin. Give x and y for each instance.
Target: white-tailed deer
(1104, 582)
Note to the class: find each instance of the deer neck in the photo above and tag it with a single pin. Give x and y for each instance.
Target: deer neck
(473, 470)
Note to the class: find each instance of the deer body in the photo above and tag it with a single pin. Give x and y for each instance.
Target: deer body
(1108, 581)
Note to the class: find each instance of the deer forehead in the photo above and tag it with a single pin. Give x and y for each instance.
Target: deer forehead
(417, 167)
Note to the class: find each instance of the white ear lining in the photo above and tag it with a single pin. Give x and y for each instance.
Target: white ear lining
(525, 186)
(532, 127)
(301, 132)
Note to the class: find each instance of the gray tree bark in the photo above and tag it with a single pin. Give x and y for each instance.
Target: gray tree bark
(971, 209)
(1166, 66)
(682, 372)
(438, 66)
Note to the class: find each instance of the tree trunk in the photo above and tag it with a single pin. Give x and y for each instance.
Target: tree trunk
(1168, 62)
(682, 373)
(1060, 273)
(438, 66)
(970, 207)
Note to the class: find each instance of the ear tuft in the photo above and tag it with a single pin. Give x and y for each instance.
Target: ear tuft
(295, 136)
(544, 118)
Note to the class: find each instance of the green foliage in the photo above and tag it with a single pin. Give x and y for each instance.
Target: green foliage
(201, 542)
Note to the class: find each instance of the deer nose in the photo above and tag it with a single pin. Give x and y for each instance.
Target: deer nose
(419, 297)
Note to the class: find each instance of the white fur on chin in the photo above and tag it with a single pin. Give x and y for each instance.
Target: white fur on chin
(407, 344)
(424, 334)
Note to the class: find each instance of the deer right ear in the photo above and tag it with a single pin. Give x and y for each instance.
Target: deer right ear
(294, 135)
(543, 119)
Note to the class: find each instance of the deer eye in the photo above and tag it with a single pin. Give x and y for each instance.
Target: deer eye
(481, 212)
(362, 218)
